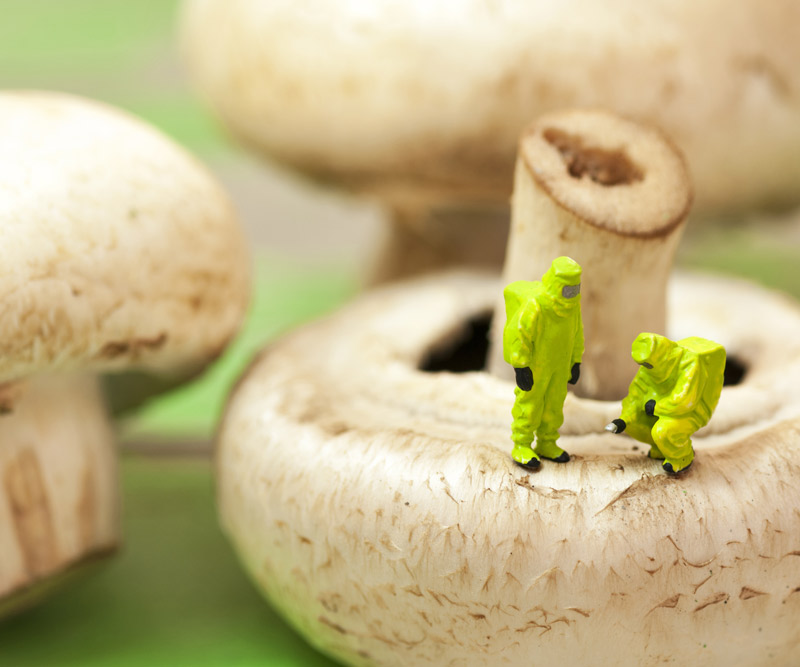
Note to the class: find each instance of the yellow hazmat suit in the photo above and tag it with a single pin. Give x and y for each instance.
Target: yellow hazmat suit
(543, 341)
(672, 395)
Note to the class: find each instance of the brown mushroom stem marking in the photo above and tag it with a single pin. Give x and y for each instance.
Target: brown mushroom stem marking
(30, 510)
(612, 195)
(58, 482)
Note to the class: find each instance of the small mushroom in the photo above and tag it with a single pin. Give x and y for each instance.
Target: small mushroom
(118, 252)
(376, 505)
(421, 104)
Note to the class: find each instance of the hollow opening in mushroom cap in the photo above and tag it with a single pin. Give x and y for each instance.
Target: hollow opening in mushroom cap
(604, 167)
(466, 348)
(464, 351)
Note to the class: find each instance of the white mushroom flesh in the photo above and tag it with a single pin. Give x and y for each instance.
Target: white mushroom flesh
(378, 508)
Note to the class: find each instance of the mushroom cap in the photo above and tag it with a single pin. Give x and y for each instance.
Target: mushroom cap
(421, 99)
(377, 505)
(118, 249)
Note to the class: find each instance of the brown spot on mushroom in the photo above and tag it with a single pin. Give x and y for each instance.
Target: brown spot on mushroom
(10, 393)
(30, 512)
(698, 586)
(544, 491)
(604, 167)
(714, 599)
(669, 603)
(645, 483)
(582, 612)
(532, 625)
(414, 590)
(114, 349)
(748, 593)
(334, 626)
(330, 602)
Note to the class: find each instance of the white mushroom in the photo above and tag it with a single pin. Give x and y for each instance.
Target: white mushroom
(376, 504)
(118, 251)
(378, 508)
(421, 103)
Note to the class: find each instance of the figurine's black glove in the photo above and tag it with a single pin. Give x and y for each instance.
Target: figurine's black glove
(650, 407)
(524, 378)
(616, 426)
(576, 373)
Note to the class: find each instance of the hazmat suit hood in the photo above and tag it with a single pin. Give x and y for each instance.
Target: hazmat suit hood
(657, 354)
(561, 286)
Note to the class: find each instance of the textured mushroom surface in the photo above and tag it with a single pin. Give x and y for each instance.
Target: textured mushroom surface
(376, 505)
(119, 249)
(430, 97)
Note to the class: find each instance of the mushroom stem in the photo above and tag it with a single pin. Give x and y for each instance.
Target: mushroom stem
(58, 484)
(613, 195)
(421, 238)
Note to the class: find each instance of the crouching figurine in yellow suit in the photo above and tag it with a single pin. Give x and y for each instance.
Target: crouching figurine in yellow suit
(543, 341)
(672, 395)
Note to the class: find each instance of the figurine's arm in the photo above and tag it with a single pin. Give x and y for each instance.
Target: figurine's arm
(685, 395)
(577, 353)
(518, 343)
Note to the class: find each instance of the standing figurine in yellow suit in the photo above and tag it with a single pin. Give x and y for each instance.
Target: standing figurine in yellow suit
(672, 395)
(543, 341)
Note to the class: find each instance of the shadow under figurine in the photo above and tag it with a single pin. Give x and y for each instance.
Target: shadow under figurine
(673, 394)
(543, 341)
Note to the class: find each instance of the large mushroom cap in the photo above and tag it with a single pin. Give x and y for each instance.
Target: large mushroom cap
(118, 250)
(378, 508)
(430, 97)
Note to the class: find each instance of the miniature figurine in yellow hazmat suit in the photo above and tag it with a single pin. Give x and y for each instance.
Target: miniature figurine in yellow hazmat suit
(543, 341)
(672, 395)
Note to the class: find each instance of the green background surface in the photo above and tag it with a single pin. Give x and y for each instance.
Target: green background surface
(176, 595)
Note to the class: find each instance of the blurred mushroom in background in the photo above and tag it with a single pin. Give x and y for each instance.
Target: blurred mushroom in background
(421, 104)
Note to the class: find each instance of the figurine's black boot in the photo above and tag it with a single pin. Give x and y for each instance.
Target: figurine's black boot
(668, 468)
(533, 464)
(548, 449)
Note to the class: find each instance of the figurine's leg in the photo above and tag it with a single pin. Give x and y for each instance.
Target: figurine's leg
(673, 439)
(552, 419)
(527, 412)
